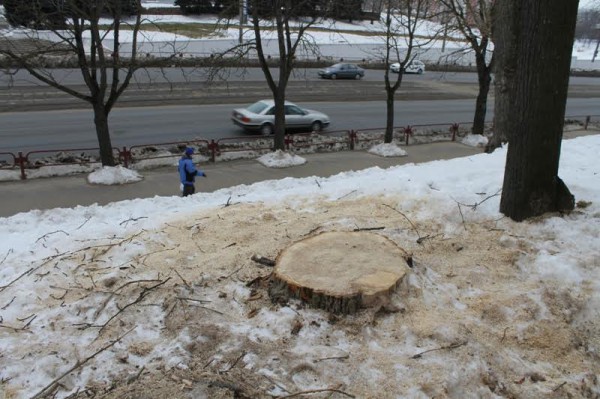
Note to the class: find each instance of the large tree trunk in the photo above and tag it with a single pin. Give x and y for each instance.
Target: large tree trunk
(505, 31)
(103, 134)
(544, 41)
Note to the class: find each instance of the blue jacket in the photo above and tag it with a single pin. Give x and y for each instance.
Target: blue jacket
(188, 171)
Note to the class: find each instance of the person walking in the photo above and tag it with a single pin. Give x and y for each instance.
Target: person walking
(188, 172)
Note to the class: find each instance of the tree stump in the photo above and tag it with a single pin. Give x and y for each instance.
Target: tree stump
(341, 272)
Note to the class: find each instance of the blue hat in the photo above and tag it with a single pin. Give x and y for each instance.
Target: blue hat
(189, 151)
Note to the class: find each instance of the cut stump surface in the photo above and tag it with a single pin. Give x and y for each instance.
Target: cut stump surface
(339, 271)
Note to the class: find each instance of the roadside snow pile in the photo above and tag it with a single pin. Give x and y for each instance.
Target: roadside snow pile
(388, 150)
(109, 175)
(281, 159)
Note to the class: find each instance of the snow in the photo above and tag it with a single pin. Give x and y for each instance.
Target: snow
(113, 175)
(64, 270)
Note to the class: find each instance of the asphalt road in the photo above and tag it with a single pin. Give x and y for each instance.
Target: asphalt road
(159, 113)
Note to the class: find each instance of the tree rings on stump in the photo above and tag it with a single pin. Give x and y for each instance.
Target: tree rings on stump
(339, 271)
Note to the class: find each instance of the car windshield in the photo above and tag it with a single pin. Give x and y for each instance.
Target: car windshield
(257, 107)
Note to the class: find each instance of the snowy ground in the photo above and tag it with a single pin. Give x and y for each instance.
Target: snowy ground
(166, 286)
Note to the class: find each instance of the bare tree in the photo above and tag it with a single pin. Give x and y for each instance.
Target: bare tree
(473, 19)
(289, 23)
(402, 20)
(78, 33)
(533, 110)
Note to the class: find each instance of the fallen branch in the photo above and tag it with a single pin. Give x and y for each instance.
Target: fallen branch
(182, 279)
(6, 256)
(263, 261)
(559, 386)
(316, 391)
(140, 297)
(234, 363)
(132, 220)
(54, 232)
(451, 346)
(409, 221)
(346, 195)
(343, 357)
(369, 228)
(3, 287)
(78, 364)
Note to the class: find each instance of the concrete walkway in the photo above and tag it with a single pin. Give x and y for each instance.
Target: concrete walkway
(67, 192)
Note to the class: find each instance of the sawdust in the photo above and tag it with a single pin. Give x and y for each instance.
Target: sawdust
(467, 321)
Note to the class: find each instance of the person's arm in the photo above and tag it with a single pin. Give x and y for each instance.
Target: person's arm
(191, 169)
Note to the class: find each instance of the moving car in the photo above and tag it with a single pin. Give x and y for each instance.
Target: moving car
(342, 71)
(415, 66)
(260, 116)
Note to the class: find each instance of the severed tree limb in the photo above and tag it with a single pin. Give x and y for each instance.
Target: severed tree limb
(263, 261)
(77, 365)
(451, 346)
(316, 391)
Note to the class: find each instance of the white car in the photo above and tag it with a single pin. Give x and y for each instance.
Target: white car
(260, 116)
(415, 66)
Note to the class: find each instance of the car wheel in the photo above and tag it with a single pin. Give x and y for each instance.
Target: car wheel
(333, 76)
(316, 126)
(358, 76)
(266, 129)
(420, 72)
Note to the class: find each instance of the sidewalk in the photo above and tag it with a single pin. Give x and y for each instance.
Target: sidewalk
(67, 192)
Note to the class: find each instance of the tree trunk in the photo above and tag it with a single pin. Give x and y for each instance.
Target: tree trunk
(279, 137)
(544, 33)
(103, 134)
(389, 119)
(484, 79)
(504, 34)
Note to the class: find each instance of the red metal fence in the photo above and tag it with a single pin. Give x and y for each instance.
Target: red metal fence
(235, 147)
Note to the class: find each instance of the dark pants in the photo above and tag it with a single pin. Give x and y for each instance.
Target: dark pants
(188, 189)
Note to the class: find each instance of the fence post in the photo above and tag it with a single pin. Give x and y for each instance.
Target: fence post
(213, 147)
(352, 136)
(288, 140)
(407, 133)
(21, 161)
(125, 155)
(587, 122)
(454, 130)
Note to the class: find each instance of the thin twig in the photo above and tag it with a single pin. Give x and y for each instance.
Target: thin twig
(182, 279)
(132, 220)
(181, 298)
(332, 358)
(559, 386)
(83, 224)
(8, 304)
(234, 363)
(316, 391)
(54, 232)
(347, 194)
(78, 364)
(140, 297)
(452, 346)
(263, 261)
(6, 256)
(405, 217)
(369, 228)
(3, 287)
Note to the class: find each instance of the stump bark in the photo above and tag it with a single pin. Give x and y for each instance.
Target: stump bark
(341, 272)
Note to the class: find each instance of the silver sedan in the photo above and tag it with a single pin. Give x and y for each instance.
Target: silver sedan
(260, 116)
